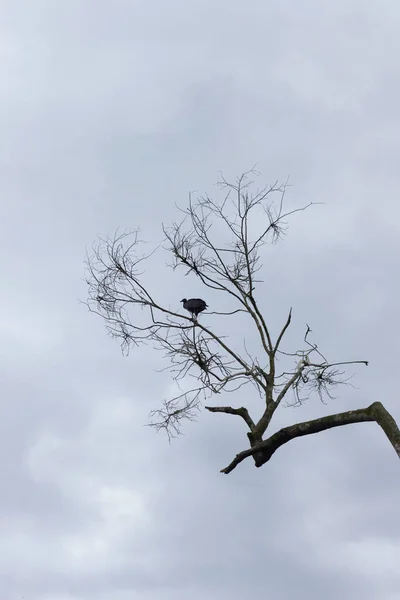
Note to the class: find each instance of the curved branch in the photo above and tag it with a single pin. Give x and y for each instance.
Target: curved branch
(241, 412)
(282, 333)
(375, 412)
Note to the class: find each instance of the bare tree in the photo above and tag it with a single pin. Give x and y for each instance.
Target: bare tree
(248, 219)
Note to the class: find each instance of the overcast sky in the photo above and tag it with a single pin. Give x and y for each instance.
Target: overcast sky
(110, 113)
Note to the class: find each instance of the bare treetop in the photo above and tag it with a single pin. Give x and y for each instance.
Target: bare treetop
(219, 241)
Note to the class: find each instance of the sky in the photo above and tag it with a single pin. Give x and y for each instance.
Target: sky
(110, 113)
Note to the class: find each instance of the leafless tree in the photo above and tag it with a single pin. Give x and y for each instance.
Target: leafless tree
(249, 218)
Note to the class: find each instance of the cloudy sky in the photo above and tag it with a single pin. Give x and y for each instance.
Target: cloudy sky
(110, 113)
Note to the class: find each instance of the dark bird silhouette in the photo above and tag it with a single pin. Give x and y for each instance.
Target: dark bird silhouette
(194, 305)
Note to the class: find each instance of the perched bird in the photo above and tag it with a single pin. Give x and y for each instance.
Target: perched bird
(194, 306)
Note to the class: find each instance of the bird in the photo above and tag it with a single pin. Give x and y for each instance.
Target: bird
(194, 306)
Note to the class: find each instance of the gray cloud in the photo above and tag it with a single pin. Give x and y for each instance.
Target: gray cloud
(110, 114)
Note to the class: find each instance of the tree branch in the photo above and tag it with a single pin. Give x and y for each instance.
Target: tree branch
(375, 412)
(282, 333)
(242, 412)
(388, 424)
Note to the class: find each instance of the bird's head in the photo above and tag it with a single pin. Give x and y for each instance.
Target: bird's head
(184, 300)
